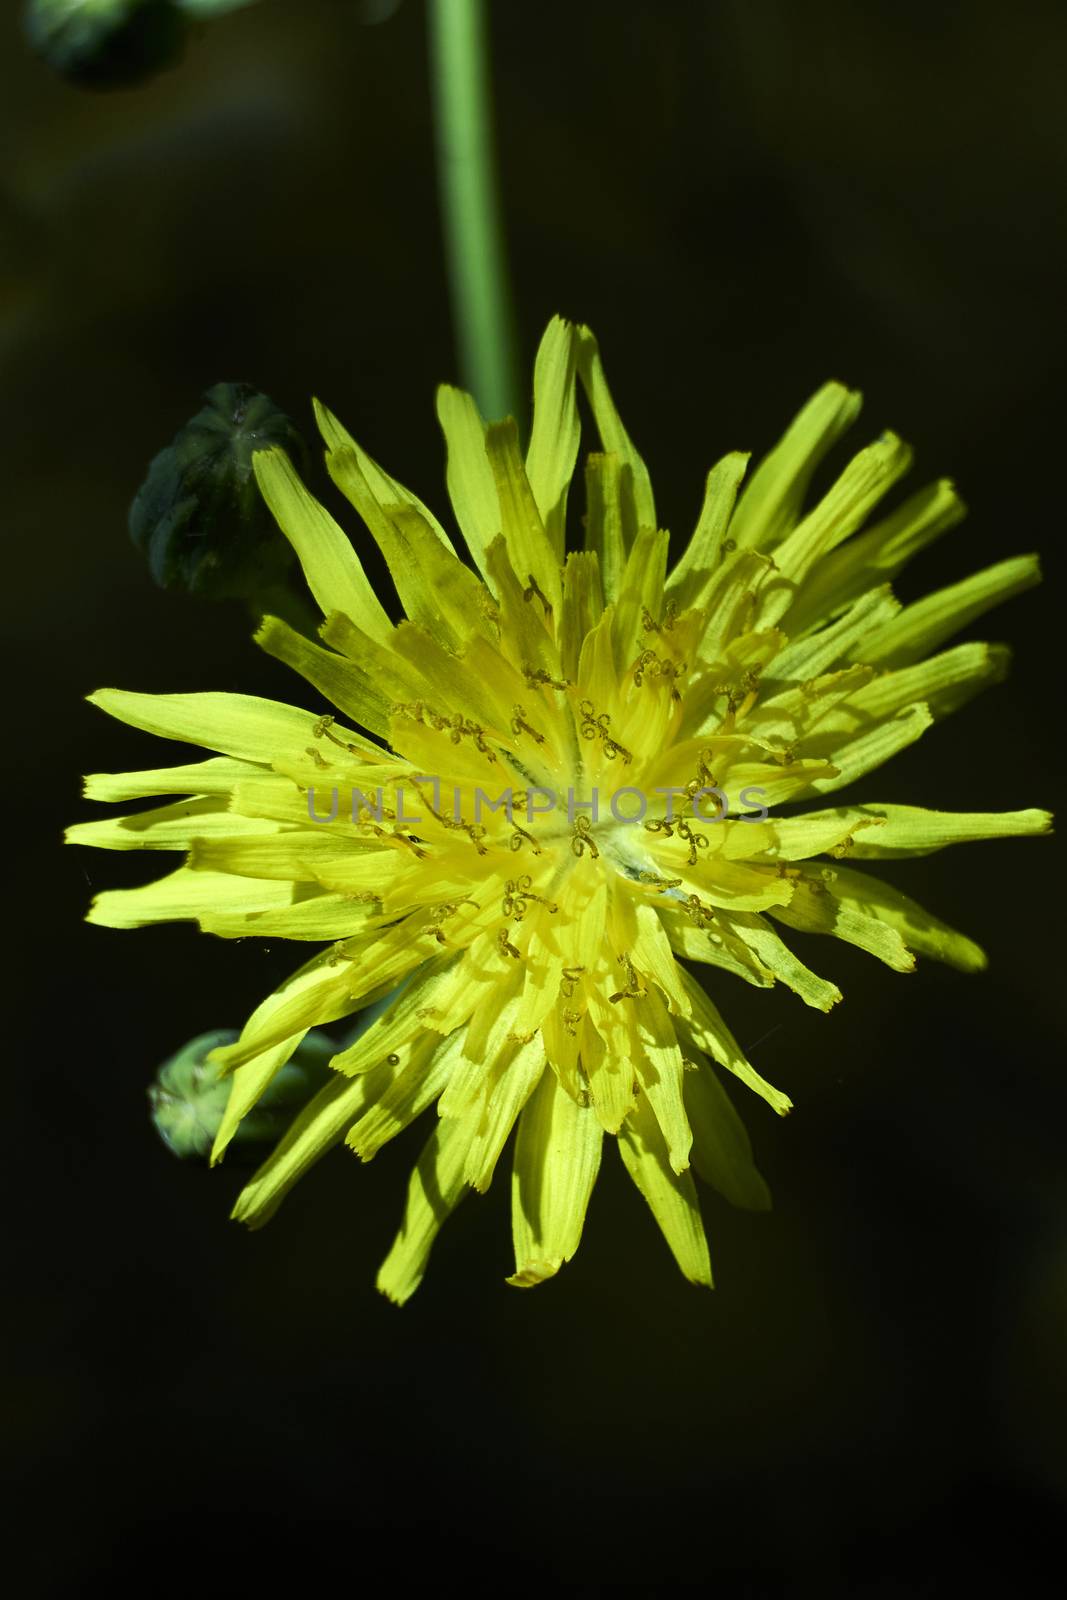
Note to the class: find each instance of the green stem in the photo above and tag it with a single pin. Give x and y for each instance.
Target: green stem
(474, 241)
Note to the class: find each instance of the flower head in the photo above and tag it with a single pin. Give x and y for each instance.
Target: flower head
(569, 782)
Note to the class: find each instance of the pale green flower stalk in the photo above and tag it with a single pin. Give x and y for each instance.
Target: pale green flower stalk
(482, 311)
(546, 954)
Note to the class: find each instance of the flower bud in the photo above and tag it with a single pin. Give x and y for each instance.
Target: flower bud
(105, 43)
(199, 517)
(188, 1098)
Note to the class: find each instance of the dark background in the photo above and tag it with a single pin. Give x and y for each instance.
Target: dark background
(743, 199)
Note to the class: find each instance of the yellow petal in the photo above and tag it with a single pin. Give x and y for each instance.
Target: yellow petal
(878, 918)
(239, 725)
(185, 896)
(471, 485)
(843, 509)
(771, 505)
(638, 509)
(422, 1074)
(806, 658)
(315, 1130)
(780, 961)
(658, 1064)
(914, 831)
(944, 682)
(712, 1036)
(554, 436)
(385, 488)
(316, 917)
(247, 1085)
(343, 683)
(507, 1089)
(583, 607)
(436, 1188)
(557, 1158)
(722, 1152)
(319, 992)
(214, 776)
(331, 566)
(877, 555)
(529, 550)
(173, 827)
(671, 1196)
(604, 519)
(435, 588)
(699, 561)
(872, 749)
(929, 622)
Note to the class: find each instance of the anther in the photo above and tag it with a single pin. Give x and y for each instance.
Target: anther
(698, 913)
(533, 588)
(321, 730)
(572, 976)
(660, 884)
(582, 839)
(634, 990)
(520, 725)
(536, 676)
(596, 725)
(519, 835)
(696, 841)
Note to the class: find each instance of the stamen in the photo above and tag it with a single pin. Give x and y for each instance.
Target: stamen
(661, 884)
(534, 589)
(634, 990)
(537, 675)
(520, 725)
(595, 725)
(696, 841)
(670, 616)
(650, 664)
(581, 838)
(646, 661)
(413, 844)
(698, 912)
(321, 730)
(488, 605)
(519, 835)
(441, 913)
(517, 892)
(339, 953)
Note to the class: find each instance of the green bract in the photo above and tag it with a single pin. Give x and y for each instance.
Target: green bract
(189, 1097)
(106, 43)
(199, 517)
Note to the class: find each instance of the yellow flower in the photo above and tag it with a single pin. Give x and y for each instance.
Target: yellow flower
(453, 857)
